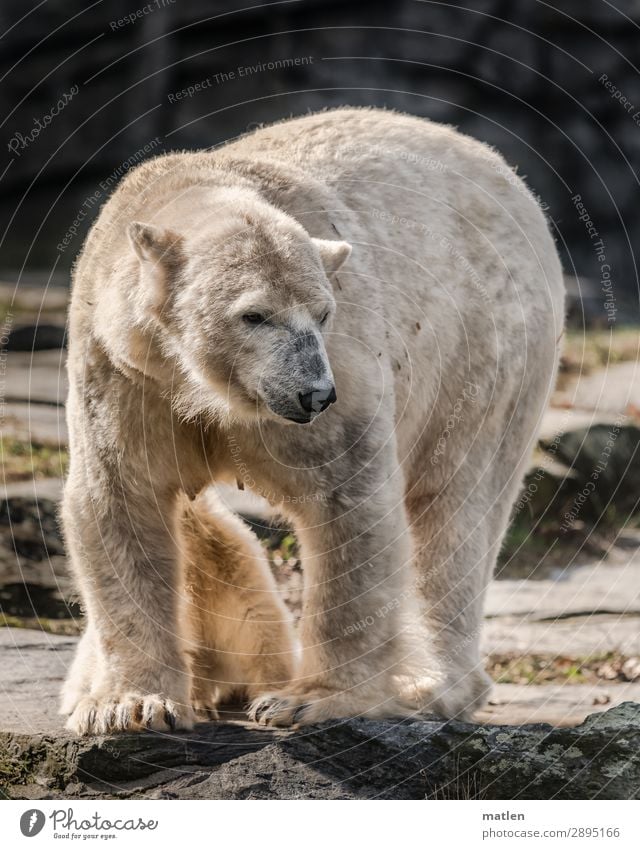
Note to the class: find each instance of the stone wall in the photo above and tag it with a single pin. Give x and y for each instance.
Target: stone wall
(555, 90)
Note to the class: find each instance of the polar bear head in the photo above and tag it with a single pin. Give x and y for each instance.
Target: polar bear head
(244, 302)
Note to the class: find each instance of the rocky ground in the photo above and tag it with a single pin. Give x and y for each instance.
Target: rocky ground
(561, 638)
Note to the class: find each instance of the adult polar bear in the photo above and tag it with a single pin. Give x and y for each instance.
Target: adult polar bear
(215, 310)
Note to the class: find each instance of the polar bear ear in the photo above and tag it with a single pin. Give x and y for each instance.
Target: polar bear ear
(333, 254)
(160, 254)
(151, 243)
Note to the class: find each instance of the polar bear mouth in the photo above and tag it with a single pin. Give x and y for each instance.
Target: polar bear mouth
(303, 407)
(300, 419)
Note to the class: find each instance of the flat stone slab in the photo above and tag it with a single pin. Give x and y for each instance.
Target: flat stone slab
(608, 390)
(558, 704)
(601, 588)
(34, 664)
(39, 377)
(575, 636)
(44, 367)
(558, 420)
(49, 574)
(41, 295)
(39, 423)
(38, 488)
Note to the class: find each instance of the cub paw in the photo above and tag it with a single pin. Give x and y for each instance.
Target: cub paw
(205, 710)
(130, 712)
(282, 709)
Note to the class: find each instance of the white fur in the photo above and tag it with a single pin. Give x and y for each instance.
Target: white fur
(441, 293)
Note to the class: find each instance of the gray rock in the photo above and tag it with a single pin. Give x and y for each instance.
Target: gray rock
(39, 423)
(36, 292)
(581, 636)
(561, 705)
(605, 463)
(557, 421)
(42, 336)
(34, 576)
(352, 759)
(33, 666)
(39, 377)
(607, 391)
(42, 491)
(582, 590)
(361, 759)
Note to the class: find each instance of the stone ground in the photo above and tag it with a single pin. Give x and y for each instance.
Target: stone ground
(561, 648)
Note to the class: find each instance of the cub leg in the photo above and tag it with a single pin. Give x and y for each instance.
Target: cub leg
(240, 633)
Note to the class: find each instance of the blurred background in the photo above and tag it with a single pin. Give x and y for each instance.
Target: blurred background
(554, 89)
(89, 90)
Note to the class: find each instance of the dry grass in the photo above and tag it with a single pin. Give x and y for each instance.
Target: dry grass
(545, 669)
(584, 353)
(66, 627)
(22, 460)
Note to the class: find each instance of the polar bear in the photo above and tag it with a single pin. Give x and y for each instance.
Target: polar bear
(356, 315)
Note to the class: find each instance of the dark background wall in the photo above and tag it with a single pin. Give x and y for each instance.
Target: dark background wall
(521, 74)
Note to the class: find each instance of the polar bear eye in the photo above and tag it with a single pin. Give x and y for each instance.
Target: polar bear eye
(324, 318)
(254, 318)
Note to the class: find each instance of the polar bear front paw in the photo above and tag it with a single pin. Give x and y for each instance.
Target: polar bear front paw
(131, 712)
(458, 697)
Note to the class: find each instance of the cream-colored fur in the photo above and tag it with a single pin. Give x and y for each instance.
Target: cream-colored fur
(240, 631)
(390, 257)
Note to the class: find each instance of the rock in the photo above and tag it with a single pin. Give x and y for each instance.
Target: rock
(29, 528)
(33, 666)
(34, 578)
(36, 292)
(404, 759)
(584, 302)
(36, 337)
(605, 462)
(557, 421)
(582, 590)
(41, 491)
(352, 759)
(37, 423)
(631, 669)
(561, 705)
(610, 390)
(39, 377)
(581, 636)
(35, 662)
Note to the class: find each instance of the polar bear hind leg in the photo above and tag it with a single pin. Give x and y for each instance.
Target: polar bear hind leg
(457, 534)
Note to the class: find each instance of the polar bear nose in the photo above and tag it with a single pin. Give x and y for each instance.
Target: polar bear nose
(317, 400)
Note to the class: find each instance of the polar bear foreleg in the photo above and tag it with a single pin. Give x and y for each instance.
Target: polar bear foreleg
(357, 561)
(122, 549)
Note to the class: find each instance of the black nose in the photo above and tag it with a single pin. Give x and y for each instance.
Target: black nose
(317, 400)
